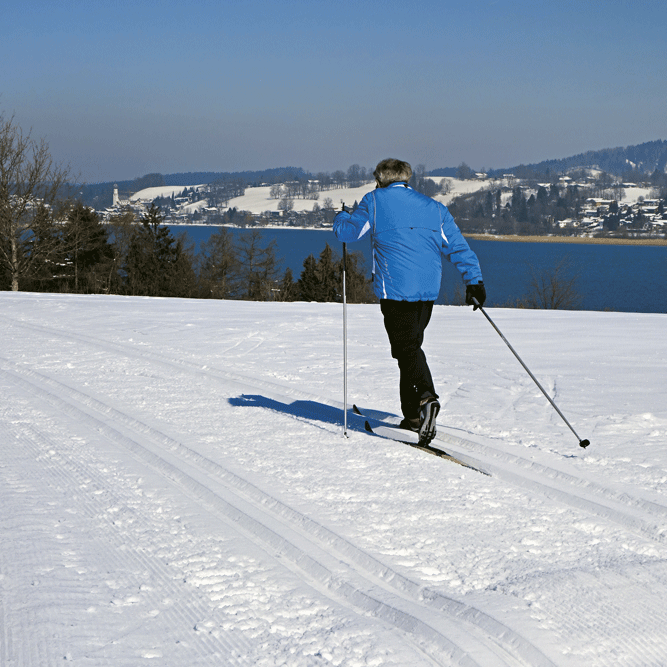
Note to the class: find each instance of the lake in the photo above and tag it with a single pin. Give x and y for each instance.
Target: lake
(626, 278)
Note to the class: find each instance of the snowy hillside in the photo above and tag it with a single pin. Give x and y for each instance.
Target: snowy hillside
(258, 199)
(175, 486)
(149, 194)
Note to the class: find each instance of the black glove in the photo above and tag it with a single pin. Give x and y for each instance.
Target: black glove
(475, 292)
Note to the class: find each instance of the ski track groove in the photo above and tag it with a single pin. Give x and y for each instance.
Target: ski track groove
(358, 596)
(33, 652)
(6, 638)
(518, 471)
(639, 515)
(495, 643)
(633, 513)
(186, 611)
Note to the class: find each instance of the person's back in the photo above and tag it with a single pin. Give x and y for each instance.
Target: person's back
(407, 244)
(410, 233)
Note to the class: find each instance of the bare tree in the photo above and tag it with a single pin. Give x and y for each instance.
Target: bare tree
(30, 188)
(286, 205)
(553, 288)
(338, 178)
(276, 191)
(464, 172)
(445, 186)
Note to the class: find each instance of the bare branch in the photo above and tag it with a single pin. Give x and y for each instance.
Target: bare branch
(31, 187)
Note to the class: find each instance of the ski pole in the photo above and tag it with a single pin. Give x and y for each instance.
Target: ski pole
(582, 443)
(344, 339)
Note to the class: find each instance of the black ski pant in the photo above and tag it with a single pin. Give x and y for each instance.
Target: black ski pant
(405, 322)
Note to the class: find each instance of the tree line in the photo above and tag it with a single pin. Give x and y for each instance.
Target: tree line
(141, 257)
(628, 162)
(537, 213)
(52, 242)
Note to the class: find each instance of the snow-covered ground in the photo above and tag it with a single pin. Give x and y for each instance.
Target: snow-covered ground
(258, 200)
(175, 486)
(148, 194)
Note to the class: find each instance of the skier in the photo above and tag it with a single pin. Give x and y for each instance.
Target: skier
(409, 234)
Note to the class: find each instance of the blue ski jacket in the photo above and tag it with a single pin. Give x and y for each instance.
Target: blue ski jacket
(410, 233)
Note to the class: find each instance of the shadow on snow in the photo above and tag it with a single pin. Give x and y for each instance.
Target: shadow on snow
(307, 410)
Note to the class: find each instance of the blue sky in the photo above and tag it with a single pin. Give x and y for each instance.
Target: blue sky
(121, 89)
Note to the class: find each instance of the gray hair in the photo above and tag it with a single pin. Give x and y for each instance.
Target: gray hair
(392, 171)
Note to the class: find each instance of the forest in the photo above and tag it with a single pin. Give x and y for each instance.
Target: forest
(141, 257)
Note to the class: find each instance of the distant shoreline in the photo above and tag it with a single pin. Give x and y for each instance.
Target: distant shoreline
(568, 239)
(478, 237)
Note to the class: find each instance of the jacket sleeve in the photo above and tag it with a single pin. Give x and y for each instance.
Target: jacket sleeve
(349, 227)
(457, 251)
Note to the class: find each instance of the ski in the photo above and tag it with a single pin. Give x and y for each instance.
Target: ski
(411, 438)
(375, 414)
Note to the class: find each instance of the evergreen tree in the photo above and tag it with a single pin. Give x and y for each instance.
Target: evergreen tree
(121, 230)
(258, 267)
(421, 183)
(322, 280)
(519, 207)
(308, 285)
(219, 272)
(288, 290)
(43, 250)
(358, 288)
(88, 251)
(328, 275)
(157, 263)
(542, 194)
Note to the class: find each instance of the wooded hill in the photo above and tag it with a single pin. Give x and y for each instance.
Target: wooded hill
(632, 161)
(645, 158)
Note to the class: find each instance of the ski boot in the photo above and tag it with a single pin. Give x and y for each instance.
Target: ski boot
(428, 411)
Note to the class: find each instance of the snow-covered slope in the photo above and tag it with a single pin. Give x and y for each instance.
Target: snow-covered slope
(149, 194)
(175, 485)
(258, 199)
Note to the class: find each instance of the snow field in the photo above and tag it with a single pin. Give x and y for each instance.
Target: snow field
(258, 200)
(178, 489)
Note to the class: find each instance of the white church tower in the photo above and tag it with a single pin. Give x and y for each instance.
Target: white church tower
(117, 201)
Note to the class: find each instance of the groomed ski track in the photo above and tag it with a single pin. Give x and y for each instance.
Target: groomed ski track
(436, 628)
(649, 518)
(446, 630)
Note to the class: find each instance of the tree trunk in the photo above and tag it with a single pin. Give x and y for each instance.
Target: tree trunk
(15, 265)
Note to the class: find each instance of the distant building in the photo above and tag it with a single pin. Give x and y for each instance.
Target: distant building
(117, 201)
